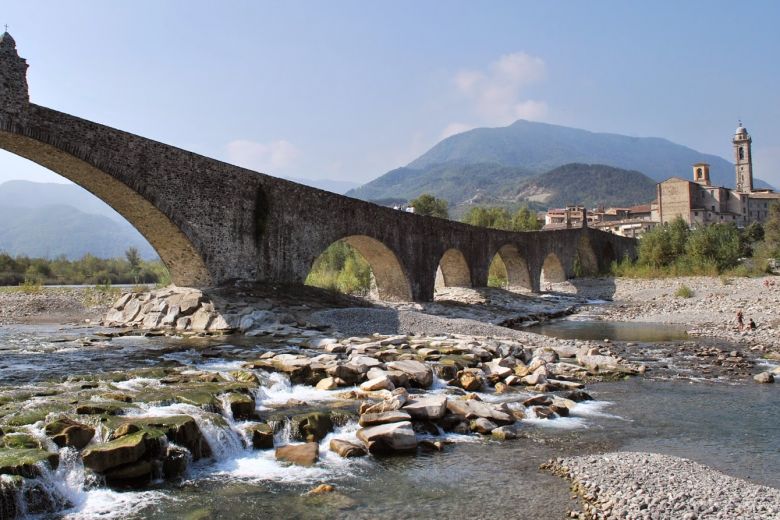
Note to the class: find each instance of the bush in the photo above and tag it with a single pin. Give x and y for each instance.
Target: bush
(684, 292)
(341, 268)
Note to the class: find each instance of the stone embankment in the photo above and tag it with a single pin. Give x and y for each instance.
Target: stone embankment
(648, 485)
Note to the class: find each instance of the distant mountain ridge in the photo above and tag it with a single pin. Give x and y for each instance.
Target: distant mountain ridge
(49, 220)
(529, 149)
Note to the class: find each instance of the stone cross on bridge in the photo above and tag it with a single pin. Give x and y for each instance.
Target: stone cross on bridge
(213, 223)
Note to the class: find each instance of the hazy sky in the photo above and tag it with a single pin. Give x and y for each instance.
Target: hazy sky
(349, 90)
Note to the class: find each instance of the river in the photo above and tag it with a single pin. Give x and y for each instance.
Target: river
(734, 427)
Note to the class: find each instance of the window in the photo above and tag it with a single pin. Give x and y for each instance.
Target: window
(713, 208)
(741, 153)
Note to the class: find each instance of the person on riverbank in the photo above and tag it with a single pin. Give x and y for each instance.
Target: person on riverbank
(740, 321)
(752, 324)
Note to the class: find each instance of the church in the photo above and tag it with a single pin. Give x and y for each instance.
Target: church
(699, 203)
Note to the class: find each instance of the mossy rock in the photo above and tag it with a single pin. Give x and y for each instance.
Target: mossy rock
(125, 450)
(67, 432)
(312, 427)
(117, 396)
(102, 408)
(179, 429)
(245, 376)
(24, 462)
(135, 475)
(32, 415)
(10, 487)
(22, 441)
(459, 361)
(262, 436)
(242, 406)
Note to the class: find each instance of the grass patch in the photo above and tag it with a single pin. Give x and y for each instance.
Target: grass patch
(684, 291)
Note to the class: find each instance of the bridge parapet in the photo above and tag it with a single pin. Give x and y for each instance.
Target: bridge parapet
(14, 95)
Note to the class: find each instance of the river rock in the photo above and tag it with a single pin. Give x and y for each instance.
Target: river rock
(347, 449)
(578, 396)
(504, 433)
(327, 383)
(473, 409)
(242, 406)
(394, 402)
(373, 419)
(261, 435)
(482, 425)
(312, 427)
(300, 454)
(420, 374)
(26, 462)
(66, 432)
(378, 383)
(538, 400)
(125, 450)
(471, 379)
(427, 408)
(534, 379)
(389, 438)
(349, 374)
(764, 377)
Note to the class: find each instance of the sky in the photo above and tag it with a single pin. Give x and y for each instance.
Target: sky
(348, 90)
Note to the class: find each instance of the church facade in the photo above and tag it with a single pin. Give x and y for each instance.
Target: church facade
(699, 203)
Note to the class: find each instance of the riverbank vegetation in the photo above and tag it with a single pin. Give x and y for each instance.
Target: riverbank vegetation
(341, 268)
(89, 270)
(718, 249)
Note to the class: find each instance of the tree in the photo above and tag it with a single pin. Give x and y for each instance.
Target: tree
(430, 206)
(772, 228)
(525, 220)
(134, 259)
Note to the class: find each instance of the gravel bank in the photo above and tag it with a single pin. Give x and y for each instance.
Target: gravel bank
(54, 305)
(648, 485)
(364, 322)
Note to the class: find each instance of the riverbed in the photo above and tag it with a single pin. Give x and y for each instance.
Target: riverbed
(733, 426)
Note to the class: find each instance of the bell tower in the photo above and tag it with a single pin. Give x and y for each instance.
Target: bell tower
(743, 159)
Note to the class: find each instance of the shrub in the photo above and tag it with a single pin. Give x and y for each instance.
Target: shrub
(684, 291)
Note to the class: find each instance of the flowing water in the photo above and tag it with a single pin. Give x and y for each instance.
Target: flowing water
(590, 329)
(733, 427)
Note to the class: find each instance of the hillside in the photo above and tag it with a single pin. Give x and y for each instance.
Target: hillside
(589, 184)
(529, 148)
(26, 194)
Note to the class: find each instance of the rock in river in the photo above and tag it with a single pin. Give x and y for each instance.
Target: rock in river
(427, 408)
(300, 454)
(346, 449)
(389, 438)
(420, 374)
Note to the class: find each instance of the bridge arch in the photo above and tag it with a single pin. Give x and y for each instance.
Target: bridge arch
(552, 270)
(453, 270)
(388, 274)
(518, 275)
(176, 250)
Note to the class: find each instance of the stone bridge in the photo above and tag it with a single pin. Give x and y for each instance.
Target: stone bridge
(213, 223)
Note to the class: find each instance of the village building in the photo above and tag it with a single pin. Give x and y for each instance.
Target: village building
(699, 203)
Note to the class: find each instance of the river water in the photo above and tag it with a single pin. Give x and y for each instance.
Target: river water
(733, 427)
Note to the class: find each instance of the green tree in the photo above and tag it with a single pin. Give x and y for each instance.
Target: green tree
(430, 206)
(772, 229)
(134, 259)
(525, 220)
(719, 244)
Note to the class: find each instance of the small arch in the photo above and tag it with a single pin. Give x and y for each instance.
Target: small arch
(585, 261)
(509, 269)
(453, 270)
(387, 278)
(552, 270)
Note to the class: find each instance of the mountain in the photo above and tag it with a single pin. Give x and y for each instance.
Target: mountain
(26, 194)
(51, 231)
(533, 149)
(49, 220)
(588, 184)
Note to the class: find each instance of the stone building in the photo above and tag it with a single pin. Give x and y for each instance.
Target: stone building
(699, 203)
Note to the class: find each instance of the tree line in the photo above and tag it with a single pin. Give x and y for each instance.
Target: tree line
(89, 270)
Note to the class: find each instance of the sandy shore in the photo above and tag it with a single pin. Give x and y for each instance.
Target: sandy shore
(54, 305)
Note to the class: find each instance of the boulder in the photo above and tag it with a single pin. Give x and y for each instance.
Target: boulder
(379, 383)
(538, 400)
(66, 432)
(501, 388)
(389, 438)
(312, 427)
(471, 380)
(495, 371)
(534, 379)
(578, 396)
(504, 433)
(473, 409)
(394, 402)
(112, 454)
(373, 419)
(261, 435)
(764, 377)
(350, 375)
(420, 375)
(174, 463)
(136, 474)
(482, 425)
(300, 454)
(363, 363)
(328, 383)
(347, 449)
(26, 462)
(427, 408)
(242, 406)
